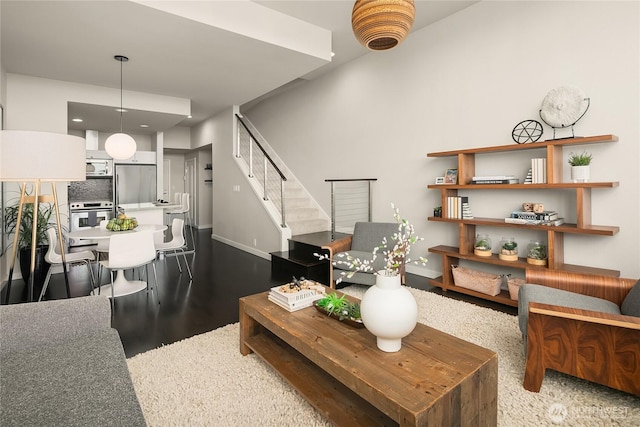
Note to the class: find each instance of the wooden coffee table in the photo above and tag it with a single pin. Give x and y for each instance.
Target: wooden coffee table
(435, 379)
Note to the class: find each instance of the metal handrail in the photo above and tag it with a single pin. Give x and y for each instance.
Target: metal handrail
(333, 198)
(267, 160)
(284, 178)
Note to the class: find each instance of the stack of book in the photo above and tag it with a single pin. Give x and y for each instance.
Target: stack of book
(296, 296)
(533, 218)
(529, 178)
(539, 171)
(458, 207)
(495, 179)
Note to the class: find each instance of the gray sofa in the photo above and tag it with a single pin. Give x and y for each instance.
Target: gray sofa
(61, 363)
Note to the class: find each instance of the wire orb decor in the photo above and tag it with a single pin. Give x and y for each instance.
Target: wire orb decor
(527, 131)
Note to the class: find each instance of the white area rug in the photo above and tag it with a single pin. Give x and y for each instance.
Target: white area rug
(205, 381)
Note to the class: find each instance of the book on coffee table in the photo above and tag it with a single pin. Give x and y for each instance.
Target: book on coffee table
(293, 298)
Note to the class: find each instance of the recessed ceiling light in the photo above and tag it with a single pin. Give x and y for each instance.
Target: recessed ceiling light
(333, 54)
(77, 120)
(189, 116)
(121, 110)
(144, 126)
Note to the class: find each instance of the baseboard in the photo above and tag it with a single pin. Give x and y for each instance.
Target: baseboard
(423, 272)
(242, 247)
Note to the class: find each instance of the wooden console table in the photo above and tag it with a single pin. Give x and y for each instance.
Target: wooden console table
(435, 379)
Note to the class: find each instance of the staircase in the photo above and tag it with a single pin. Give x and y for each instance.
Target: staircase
(302, 215)
(309, 225)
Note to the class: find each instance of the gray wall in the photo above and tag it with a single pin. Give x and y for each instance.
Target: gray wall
(465, 82)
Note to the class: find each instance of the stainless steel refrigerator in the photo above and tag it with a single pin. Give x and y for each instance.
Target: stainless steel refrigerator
(135, 184)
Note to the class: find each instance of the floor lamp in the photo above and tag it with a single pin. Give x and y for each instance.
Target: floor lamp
(32, 157)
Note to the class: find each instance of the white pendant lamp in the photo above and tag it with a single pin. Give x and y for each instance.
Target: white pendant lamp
(120, 146)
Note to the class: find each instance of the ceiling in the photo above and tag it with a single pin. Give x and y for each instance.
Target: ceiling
(172, 55)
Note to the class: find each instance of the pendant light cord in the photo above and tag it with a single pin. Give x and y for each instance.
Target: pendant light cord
(120, 95)
(122, 59)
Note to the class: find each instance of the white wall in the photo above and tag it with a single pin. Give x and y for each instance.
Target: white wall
(178, 137)
(465, 82)
(239, 218)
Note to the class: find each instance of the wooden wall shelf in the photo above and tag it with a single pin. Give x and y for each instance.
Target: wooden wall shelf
(555, 234)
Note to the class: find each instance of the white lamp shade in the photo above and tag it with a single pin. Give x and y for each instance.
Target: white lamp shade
(34, 155)
(120, 146)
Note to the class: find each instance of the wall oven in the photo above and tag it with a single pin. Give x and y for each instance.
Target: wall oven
(86, 215)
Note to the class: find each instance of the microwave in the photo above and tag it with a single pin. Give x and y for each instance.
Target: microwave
(99, 167)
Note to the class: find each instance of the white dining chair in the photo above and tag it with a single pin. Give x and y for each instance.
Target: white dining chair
(176, 244)
(54, 257)
(185, 212)
(130, 250)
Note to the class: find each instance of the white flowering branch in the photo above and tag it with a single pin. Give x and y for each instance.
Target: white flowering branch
(395, 258)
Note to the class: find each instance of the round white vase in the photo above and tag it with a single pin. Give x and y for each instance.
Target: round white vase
(389, 311)
(580, 173)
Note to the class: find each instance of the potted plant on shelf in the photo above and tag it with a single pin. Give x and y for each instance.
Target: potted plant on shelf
(537, 253)
(508, 249)
(580, 166)
(482, 247)
(44, 214)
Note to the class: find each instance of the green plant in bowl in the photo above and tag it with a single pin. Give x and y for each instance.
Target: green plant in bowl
(339, 307)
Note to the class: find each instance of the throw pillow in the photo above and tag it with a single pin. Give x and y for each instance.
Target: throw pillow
(631, 304)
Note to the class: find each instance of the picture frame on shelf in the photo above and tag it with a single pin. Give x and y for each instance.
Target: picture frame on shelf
(451, 176)
(440, 180)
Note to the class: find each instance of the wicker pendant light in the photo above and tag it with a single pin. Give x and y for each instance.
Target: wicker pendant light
(382, 24)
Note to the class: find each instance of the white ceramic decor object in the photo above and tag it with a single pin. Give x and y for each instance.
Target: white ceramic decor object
(389, 311)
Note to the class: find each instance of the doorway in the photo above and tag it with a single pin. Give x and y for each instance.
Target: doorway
(191, 187)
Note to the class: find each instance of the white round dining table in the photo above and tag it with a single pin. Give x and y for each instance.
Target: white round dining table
(121, 286)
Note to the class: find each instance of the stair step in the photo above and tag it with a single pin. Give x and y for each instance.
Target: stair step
(294, 260)
(296, 202)
(284, 268)
(296, 214)
(308, 226)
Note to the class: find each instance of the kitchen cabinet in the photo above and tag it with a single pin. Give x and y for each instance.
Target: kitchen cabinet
(142, 157)
(98, 154)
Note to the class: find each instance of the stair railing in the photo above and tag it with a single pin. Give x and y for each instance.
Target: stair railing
(261, 163)
(350, 203)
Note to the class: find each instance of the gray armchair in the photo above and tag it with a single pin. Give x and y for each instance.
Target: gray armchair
(366, 236)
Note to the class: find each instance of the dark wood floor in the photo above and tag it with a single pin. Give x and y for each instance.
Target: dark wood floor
(221, 275)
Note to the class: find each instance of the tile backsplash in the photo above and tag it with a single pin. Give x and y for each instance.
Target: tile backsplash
(93, 189)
